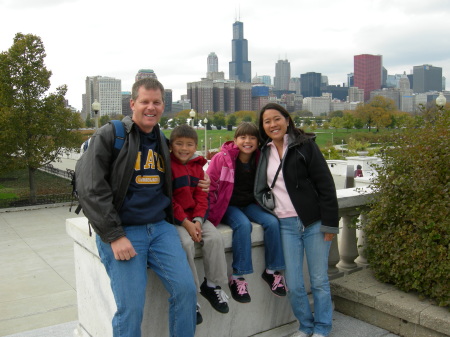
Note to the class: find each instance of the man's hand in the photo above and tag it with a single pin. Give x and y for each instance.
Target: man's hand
(123, 249)
(205, 183)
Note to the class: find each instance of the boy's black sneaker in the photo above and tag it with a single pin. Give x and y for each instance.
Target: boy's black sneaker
(276, 282)
(216, 296)
(239, 290)
(199, 315)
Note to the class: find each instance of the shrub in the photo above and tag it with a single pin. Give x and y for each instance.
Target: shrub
(408, 228)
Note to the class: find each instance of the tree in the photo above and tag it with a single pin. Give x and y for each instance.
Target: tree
(377, 112)
(219, 120)
(337, 122)
(104, 120)
(232, 120)
(90, 123)
(35, 127)
(348, 121)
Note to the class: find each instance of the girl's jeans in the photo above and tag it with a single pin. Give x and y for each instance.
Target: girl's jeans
(238, 218)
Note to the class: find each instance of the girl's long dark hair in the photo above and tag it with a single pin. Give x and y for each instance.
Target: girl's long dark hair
(291, 129)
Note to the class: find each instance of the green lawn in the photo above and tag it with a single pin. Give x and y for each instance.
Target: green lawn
(324, 137)
(15, 184)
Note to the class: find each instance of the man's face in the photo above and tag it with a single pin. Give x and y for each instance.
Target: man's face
(147, 108)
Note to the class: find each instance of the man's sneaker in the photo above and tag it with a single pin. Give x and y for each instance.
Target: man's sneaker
(216, 296)
(276, 283)
(199, 315)
(239, 290)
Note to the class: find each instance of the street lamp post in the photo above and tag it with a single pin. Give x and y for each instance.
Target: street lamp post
(342, 147)
(192, 115)
(205, 123)
(220, 142)
(441, 100)
(96, 108)
(329, 154)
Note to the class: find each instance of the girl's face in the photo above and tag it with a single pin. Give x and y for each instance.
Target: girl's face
(275, 124)
(246, 143)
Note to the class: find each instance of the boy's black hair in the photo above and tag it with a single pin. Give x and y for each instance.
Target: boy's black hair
(183, 131)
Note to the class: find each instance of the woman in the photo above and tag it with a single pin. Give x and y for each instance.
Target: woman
(306, 204)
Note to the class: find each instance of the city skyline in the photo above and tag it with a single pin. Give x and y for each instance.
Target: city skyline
(108, 39)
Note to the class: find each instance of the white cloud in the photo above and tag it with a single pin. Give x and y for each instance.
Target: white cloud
(116, 38)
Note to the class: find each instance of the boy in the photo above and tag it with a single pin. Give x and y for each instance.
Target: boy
(190, 206)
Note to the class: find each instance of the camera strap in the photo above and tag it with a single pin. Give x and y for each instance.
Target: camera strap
(276, 175)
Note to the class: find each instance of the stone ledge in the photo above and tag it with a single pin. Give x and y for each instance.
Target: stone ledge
(361, 296)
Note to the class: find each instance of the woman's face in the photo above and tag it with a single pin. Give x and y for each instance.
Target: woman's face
(275, 124)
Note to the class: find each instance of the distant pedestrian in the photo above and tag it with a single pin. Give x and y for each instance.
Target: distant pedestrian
(358, 171)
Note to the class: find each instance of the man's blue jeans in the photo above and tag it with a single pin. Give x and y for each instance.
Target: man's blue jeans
(158, 246)
(238, 218)
(298, 241)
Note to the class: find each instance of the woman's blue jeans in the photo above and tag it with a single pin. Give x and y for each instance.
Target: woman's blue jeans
(158, 246)
(239, 219)
(297, 241)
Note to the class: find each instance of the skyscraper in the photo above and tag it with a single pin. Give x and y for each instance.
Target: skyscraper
(213, 63)
(367, 73)
(107, 91)
(240, 66)
(310, 84)
(427, 78)
(282, 75)
(145, 73)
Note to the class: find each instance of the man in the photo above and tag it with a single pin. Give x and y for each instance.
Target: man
(127, 200)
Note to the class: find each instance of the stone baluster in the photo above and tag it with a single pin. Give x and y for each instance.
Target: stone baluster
(333, 258)
(348, 244)
(361, 259)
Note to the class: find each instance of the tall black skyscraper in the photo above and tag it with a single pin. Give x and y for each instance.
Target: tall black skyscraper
(240, 66)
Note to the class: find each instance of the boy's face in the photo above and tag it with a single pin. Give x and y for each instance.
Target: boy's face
(246, 143)
(183, 148)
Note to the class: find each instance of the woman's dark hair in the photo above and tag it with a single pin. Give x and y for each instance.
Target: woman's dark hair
(291, 129)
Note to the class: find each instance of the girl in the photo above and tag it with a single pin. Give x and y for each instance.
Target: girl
(232, 173)
(306, 204)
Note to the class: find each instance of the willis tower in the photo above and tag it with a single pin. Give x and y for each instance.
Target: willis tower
(240, 66)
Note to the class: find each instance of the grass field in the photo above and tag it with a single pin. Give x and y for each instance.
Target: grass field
(15, 184)
(217, 137)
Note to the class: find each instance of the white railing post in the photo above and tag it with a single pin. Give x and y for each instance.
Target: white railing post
(361, 259)
(348, 245)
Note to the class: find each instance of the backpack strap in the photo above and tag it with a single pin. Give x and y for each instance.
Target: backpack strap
(119, 134)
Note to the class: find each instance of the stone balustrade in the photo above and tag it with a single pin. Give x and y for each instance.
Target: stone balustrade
(96, 304)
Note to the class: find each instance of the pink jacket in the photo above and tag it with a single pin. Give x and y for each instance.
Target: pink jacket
(221, 173)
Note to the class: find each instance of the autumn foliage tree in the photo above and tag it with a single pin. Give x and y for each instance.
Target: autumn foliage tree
(35, 127)
(377, 113)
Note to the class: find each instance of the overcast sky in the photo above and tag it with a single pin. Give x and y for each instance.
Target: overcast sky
(117, 38)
